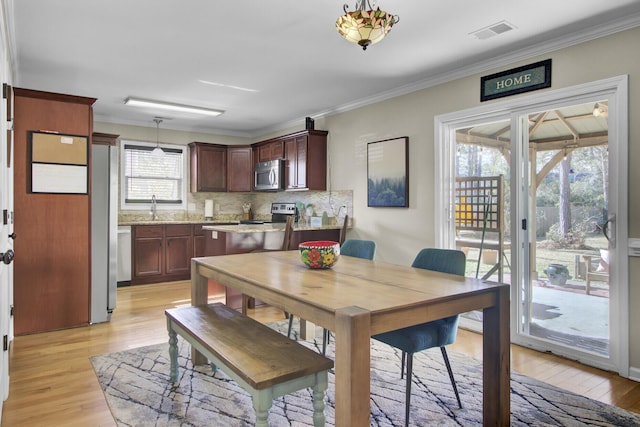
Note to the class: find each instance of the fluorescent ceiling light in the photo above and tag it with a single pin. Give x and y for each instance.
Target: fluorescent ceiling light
(137, 102)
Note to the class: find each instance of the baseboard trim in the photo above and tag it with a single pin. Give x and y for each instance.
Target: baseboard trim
(634, 374)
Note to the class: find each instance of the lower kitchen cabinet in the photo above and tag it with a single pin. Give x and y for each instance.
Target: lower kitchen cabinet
(147, 253)
(199, 241)
(161, 253)
(311, 235)
(178, 250)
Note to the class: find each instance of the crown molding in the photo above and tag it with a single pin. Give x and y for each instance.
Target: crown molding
(542, 48)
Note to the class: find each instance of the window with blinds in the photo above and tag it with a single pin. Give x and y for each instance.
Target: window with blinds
(147, 172)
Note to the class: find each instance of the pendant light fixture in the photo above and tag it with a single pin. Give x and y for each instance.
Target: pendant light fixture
(600, 110)
(365, 26)
(157, 151)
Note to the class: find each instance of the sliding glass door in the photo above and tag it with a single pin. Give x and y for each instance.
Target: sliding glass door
(482, 200)
(565, 300)
(532, 193)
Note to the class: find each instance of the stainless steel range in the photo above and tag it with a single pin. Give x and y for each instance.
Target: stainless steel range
(281, 211)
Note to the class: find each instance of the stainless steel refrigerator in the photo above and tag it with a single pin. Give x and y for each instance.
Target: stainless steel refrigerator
(104, 231)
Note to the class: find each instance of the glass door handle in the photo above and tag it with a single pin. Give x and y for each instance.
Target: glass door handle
(611, 222)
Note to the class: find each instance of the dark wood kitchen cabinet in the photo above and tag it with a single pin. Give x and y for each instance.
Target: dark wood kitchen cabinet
(148, 252)
(306, 160)
(220, 168)
(272, 150)
(199, 241)
(161, 253)
(239, 168)
(207, 242)
(52, 264)
(178, 250)
(208, 167)
(305, 154)
(295, 154)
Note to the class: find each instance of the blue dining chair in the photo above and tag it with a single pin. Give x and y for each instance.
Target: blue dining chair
(437, 333)
(365, 249)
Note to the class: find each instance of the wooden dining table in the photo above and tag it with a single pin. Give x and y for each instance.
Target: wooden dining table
(359, 298)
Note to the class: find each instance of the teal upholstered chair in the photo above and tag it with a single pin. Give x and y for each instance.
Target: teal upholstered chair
(365, 249)
(437, 333)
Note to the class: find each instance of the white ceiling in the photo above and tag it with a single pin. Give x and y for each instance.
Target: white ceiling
(274, 62)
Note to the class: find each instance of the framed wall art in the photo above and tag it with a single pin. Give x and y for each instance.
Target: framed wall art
(388, 173)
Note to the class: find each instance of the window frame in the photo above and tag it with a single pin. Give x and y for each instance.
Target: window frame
(145, 205)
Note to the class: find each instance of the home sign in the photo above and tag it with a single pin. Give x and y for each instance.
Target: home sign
(517, 80)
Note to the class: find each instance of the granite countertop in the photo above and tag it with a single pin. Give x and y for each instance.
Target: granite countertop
(261, 228)
(162, 221)
(231, 226)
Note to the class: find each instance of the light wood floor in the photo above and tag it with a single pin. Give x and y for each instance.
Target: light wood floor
(53, 382)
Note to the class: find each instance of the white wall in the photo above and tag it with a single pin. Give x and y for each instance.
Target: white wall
(400, 233)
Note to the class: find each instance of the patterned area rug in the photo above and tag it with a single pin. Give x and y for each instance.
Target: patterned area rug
(137, 388)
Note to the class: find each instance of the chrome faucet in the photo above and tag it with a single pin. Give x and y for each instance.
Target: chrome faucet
(154, 208)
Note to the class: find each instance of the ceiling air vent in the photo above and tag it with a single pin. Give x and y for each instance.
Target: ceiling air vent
(493, 30)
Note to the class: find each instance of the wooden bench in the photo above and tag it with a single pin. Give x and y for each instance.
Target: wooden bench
(262, 361)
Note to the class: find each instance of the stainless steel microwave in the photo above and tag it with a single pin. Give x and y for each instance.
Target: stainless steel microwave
(269, 176)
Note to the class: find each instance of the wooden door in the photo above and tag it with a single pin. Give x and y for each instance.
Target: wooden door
(199, 241)
(52, 278)
(208, 167)
(301, 161)
(291, 163)
(271, 151)
(148, 252)
(178, 249)
(239, 169)
(276, 150)
(264, 153)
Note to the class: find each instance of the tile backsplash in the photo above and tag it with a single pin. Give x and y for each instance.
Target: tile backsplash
(228, 206)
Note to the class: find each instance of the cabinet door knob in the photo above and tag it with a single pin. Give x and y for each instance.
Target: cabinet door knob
(13, 235)
(7, 257)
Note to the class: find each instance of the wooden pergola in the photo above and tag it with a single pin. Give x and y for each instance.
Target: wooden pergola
(563, 130)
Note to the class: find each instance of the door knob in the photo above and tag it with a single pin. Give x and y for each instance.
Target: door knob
(7, 257)
(13, 236)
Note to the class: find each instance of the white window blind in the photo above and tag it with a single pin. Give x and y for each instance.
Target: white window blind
(148, 173)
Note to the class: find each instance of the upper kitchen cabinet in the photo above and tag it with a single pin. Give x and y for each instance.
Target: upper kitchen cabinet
(306, 160)
(239, 168)
(305, 154)
(208, 167)
(271, 150)
(295, 154)
(221, 168)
